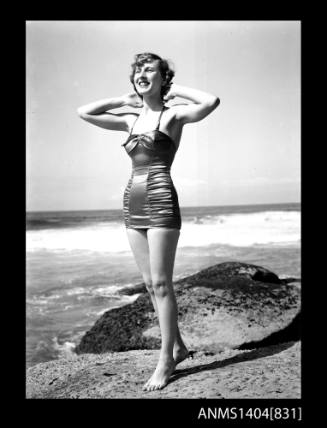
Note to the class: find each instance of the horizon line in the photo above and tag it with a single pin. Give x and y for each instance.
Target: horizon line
(181, 207)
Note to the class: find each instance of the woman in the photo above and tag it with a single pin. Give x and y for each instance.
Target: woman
(151, 209)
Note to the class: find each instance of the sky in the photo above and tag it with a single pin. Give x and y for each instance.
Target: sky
(248, 151)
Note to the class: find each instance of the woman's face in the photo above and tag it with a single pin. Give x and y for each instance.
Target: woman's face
(148, 79)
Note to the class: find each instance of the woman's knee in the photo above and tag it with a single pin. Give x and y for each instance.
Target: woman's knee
(161, 286)
(148, 285)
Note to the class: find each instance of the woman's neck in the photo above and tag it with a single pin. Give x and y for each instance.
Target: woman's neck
(152, 104)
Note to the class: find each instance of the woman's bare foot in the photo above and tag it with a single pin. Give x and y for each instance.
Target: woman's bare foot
(180, 354)
(161, 375)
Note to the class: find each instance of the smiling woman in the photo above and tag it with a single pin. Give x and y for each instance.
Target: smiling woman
(151, 208)
(144, 68)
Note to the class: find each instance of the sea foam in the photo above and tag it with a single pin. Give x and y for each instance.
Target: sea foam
(267, 227)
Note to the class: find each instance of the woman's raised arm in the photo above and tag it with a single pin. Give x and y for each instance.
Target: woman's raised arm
(97, 114)
(202, 103)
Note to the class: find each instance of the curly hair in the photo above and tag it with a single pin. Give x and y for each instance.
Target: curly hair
(165, 69)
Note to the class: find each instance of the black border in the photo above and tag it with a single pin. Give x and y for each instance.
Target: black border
(172, 411)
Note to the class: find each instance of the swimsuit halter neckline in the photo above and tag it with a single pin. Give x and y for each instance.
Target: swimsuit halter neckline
(158, 125)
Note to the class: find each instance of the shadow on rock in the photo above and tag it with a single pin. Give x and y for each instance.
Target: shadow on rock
(253, 355)
(292, 332)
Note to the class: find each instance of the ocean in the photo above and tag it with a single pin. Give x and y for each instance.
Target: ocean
(76, 261)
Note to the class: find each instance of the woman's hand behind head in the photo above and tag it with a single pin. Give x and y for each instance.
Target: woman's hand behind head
(170, 94)
(133, 100)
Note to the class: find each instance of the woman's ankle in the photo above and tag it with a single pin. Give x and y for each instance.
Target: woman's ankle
(179, 346)
(166, 357)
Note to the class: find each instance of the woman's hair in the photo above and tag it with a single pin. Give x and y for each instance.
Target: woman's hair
(165, 69)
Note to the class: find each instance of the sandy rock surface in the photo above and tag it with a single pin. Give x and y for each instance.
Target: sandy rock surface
(270, 372)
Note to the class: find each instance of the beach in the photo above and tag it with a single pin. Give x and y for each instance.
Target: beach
(76, 262)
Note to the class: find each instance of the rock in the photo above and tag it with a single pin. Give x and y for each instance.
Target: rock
(224, 306)
(135, 289)
(270, 372)
(121, 329)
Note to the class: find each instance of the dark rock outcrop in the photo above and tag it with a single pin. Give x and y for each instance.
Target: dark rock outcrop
(223, 306)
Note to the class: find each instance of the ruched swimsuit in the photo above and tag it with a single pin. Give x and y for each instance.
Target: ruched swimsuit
(150, 197)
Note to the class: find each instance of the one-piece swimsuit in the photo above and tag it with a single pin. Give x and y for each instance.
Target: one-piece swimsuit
(150, 198)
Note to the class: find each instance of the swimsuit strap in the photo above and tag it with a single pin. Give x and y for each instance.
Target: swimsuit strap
(157, 128)
(134, 125)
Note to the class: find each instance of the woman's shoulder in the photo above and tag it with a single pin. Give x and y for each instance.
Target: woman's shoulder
(174, 110)
(175, 107)
(130, 117)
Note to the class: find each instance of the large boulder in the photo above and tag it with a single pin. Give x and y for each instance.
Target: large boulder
(227, 305)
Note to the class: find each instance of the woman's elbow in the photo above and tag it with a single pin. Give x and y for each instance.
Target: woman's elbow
(215, 102)
(212, 103)
(81, 113)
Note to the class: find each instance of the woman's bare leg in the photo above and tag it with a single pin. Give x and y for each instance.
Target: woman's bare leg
(140, 248)
(162, 249)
